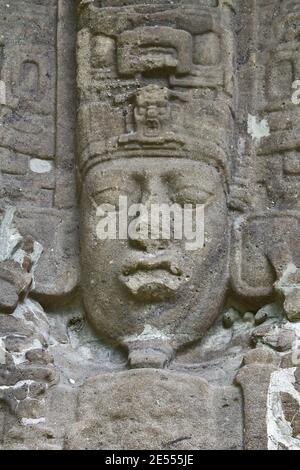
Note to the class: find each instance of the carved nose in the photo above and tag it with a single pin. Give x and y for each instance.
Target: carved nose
(155, 194)
(150, 239)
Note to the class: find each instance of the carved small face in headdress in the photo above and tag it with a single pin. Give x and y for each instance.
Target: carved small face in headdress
(152, 111)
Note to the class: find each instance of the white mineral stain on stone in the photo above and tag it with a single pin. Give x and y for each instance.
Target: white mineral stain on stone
(2, 92)
(258, 129)
(9, 236)
(238, 222)
(38, 165)
(279, 430)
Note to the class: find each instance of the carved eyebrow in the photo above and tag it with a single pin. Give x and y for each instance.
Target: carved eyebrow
(181, 180)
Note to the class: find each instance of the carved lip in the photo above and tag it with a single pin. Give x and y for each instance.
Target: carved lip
(152, 264)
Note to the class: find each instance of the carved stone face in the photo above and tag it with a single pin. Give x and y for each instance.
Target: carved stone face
(153, 295)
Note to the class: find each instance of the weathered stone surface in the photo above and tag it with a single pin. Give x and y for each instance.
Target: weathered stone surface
(150, 409)
(55, 232)
(292, 412)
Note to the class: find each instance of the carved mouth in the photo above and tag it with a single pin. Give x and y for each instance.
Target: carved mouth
(152, 128)
(152, 279)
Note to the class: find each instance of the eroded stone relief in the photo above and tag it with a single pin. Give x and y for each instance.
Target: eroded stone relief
(127, 343)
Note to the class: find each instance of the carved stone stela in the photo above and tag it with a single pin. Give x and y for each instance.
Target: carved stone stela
(135, 343)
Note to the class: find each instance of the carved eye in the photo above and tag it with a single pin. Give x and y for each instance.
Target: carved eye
(191, 195)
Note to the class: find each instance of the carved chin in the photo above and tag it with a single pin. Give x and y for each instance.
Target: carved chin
(152, 286)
